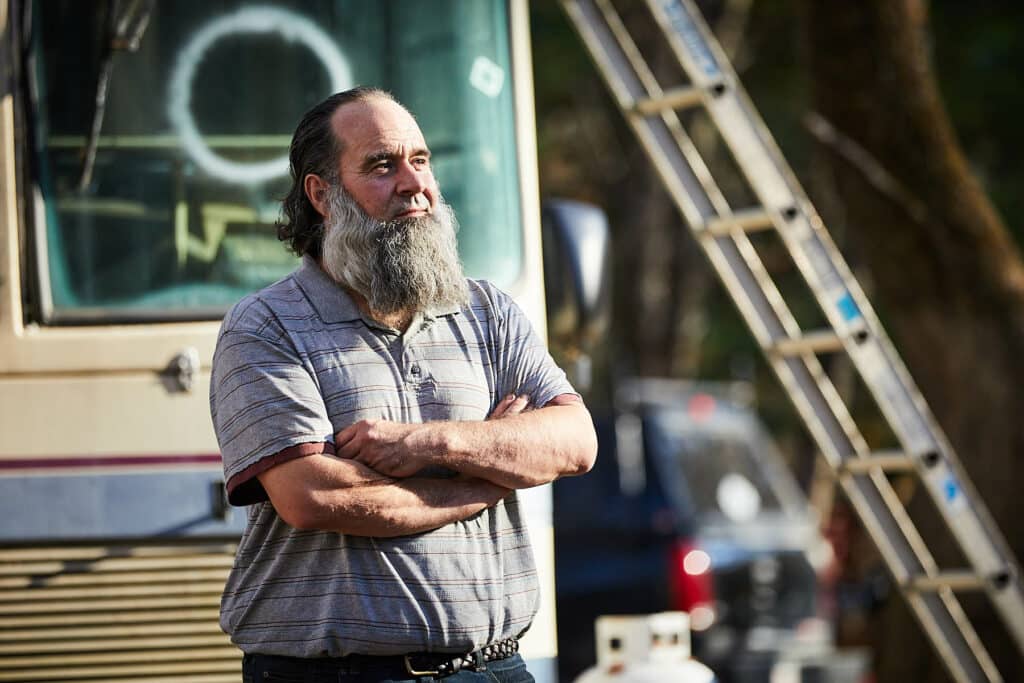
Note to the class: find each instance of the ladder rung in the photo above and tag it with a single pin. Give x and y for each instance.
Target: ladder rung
(957, 581)
(747, 220)
(825, 341)
(675, 98)
(887, 461)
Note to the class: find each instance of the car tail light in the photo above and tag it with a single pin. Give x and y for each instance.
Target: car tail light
(690, 584)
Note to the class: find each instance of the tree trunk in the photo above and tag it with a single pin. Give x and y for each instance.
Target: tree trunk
(947, 278)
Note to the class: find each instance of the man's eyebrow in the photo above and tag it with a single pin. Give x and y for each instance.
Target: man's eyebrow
(374, 157)
(385, 155)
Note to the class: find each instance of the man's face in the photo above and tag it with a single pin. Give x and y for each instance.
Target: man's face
(385, 163)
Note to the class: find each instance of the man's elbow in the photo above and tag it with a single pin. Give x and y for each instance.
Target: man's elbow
(302, 514)
(303, 509)
(585, 451)
(588, 451)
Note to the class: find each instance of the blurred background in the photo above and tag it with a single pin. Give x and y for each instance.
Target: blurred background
(900, 120)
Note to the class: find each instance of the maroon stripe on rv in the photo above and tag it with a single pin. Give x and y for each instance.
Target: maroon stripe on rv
(109, 461)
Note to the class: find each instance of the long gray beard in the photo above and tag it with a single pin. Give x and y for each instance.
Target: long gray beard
(406, 264)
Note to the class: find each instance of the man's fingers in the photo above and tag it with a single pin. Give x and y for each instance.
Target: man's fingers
(344, 435)
(503, 404)
(517, 406)
(346, 445)
(510, 405)
(353, 436)
(347, 450)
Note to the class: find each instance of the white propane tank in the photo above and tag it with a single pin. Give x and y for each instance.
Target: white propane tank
(652, 648)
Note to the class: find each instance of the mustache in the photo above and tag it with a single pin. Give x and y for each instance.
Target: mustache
(412, 205)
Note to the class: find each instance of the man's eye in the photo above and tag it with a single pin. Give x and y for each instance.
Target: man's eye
(382, 167)
(421, 162)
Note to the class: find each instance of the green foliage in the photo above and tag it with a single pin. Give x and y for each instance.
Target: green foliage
(978, 56)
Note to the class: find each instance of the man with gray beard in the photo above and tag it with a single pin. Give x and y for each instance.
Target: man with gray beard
(377, 412)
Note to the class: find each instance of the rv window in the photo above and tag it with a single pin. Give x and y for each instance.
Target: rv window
(176, 216)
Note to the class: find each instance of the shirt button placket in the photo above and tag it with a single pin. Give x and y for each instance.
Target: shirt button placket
(413, 373)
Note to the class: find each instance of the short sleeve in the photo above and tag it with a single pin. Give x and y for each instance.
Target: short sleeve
(524, 365)
(265, 405)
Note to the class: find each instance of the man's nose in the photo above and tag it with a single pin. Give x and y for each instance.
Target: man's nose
(412, 181)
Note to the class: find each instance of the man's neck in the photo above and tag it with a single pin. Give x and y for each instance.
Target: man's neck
(398, 320)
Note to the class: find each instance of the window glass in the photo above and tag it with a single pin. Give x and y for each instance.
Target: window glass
(177, 217)
(722, 464)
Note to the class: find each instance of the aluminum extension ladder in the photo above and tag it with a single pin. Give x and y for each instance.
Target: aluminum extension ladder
(852, 326)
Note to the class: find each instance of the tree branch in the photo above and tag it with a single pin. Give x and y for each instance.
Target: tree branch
(870, 167)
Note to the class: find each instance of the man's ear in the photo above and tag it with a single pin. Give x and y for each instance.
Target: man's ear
(316, 188)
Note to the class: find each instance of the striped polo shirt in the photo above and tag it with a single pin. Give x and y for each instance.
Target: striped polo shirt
(297, 362)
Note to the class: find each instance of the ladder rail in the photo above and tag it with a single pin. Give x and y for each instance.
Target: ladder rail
(878, 505)
(940, 613)
(770, 177)
(880, 510)
(883, 515)
(792, 354)
(766, 315)
(672, 164)
(646, 89)
(692, 189)
(846, 306)
(680, 166)
(759, 301)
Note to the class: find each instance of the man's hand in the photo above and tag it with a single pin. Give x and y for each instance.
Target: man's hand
(401, 450)
(516, 447)
(510, 405)
(384, 446)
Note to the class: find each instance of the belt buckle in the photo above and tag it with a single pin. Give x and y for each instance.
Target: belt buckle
(414, 672)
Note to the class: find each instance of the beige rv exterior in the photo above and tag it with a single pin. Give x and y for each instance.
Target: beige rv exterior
(86, 592)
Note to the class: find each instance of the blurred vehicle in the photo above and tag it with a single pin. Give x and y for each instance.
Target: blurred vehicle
(690, 507)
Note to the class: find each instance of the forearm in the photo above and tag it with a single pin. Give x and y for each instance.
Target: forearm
(344, 496)
(396, 509)
(518, 451)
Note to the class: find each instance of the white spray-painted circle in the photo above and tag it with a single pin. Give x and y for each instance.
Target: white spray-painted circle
(293, 28)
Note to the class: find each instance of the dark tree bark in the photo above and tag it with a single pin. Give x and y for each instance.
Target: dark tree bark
(947, 277)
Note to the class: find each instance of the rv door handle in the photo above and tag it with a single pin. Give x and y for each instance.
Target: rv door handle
(181, 372)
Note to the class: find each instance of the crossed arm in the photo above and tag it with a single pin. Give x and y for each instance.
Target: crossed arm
(367, 489)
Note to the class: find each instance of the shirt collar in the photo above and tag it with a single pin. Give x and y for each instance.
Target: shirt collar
(333, 304)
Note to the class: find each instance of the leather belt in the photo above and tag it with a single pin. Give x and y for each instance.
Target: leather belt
(428, 664)
(422, 664)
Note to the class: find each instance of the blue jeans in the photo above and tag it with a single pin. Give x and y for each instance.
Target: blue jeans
(264, 669)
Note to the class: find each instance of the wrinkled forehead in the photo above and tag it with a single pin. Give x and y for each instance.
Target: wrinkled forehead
(376, 125)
